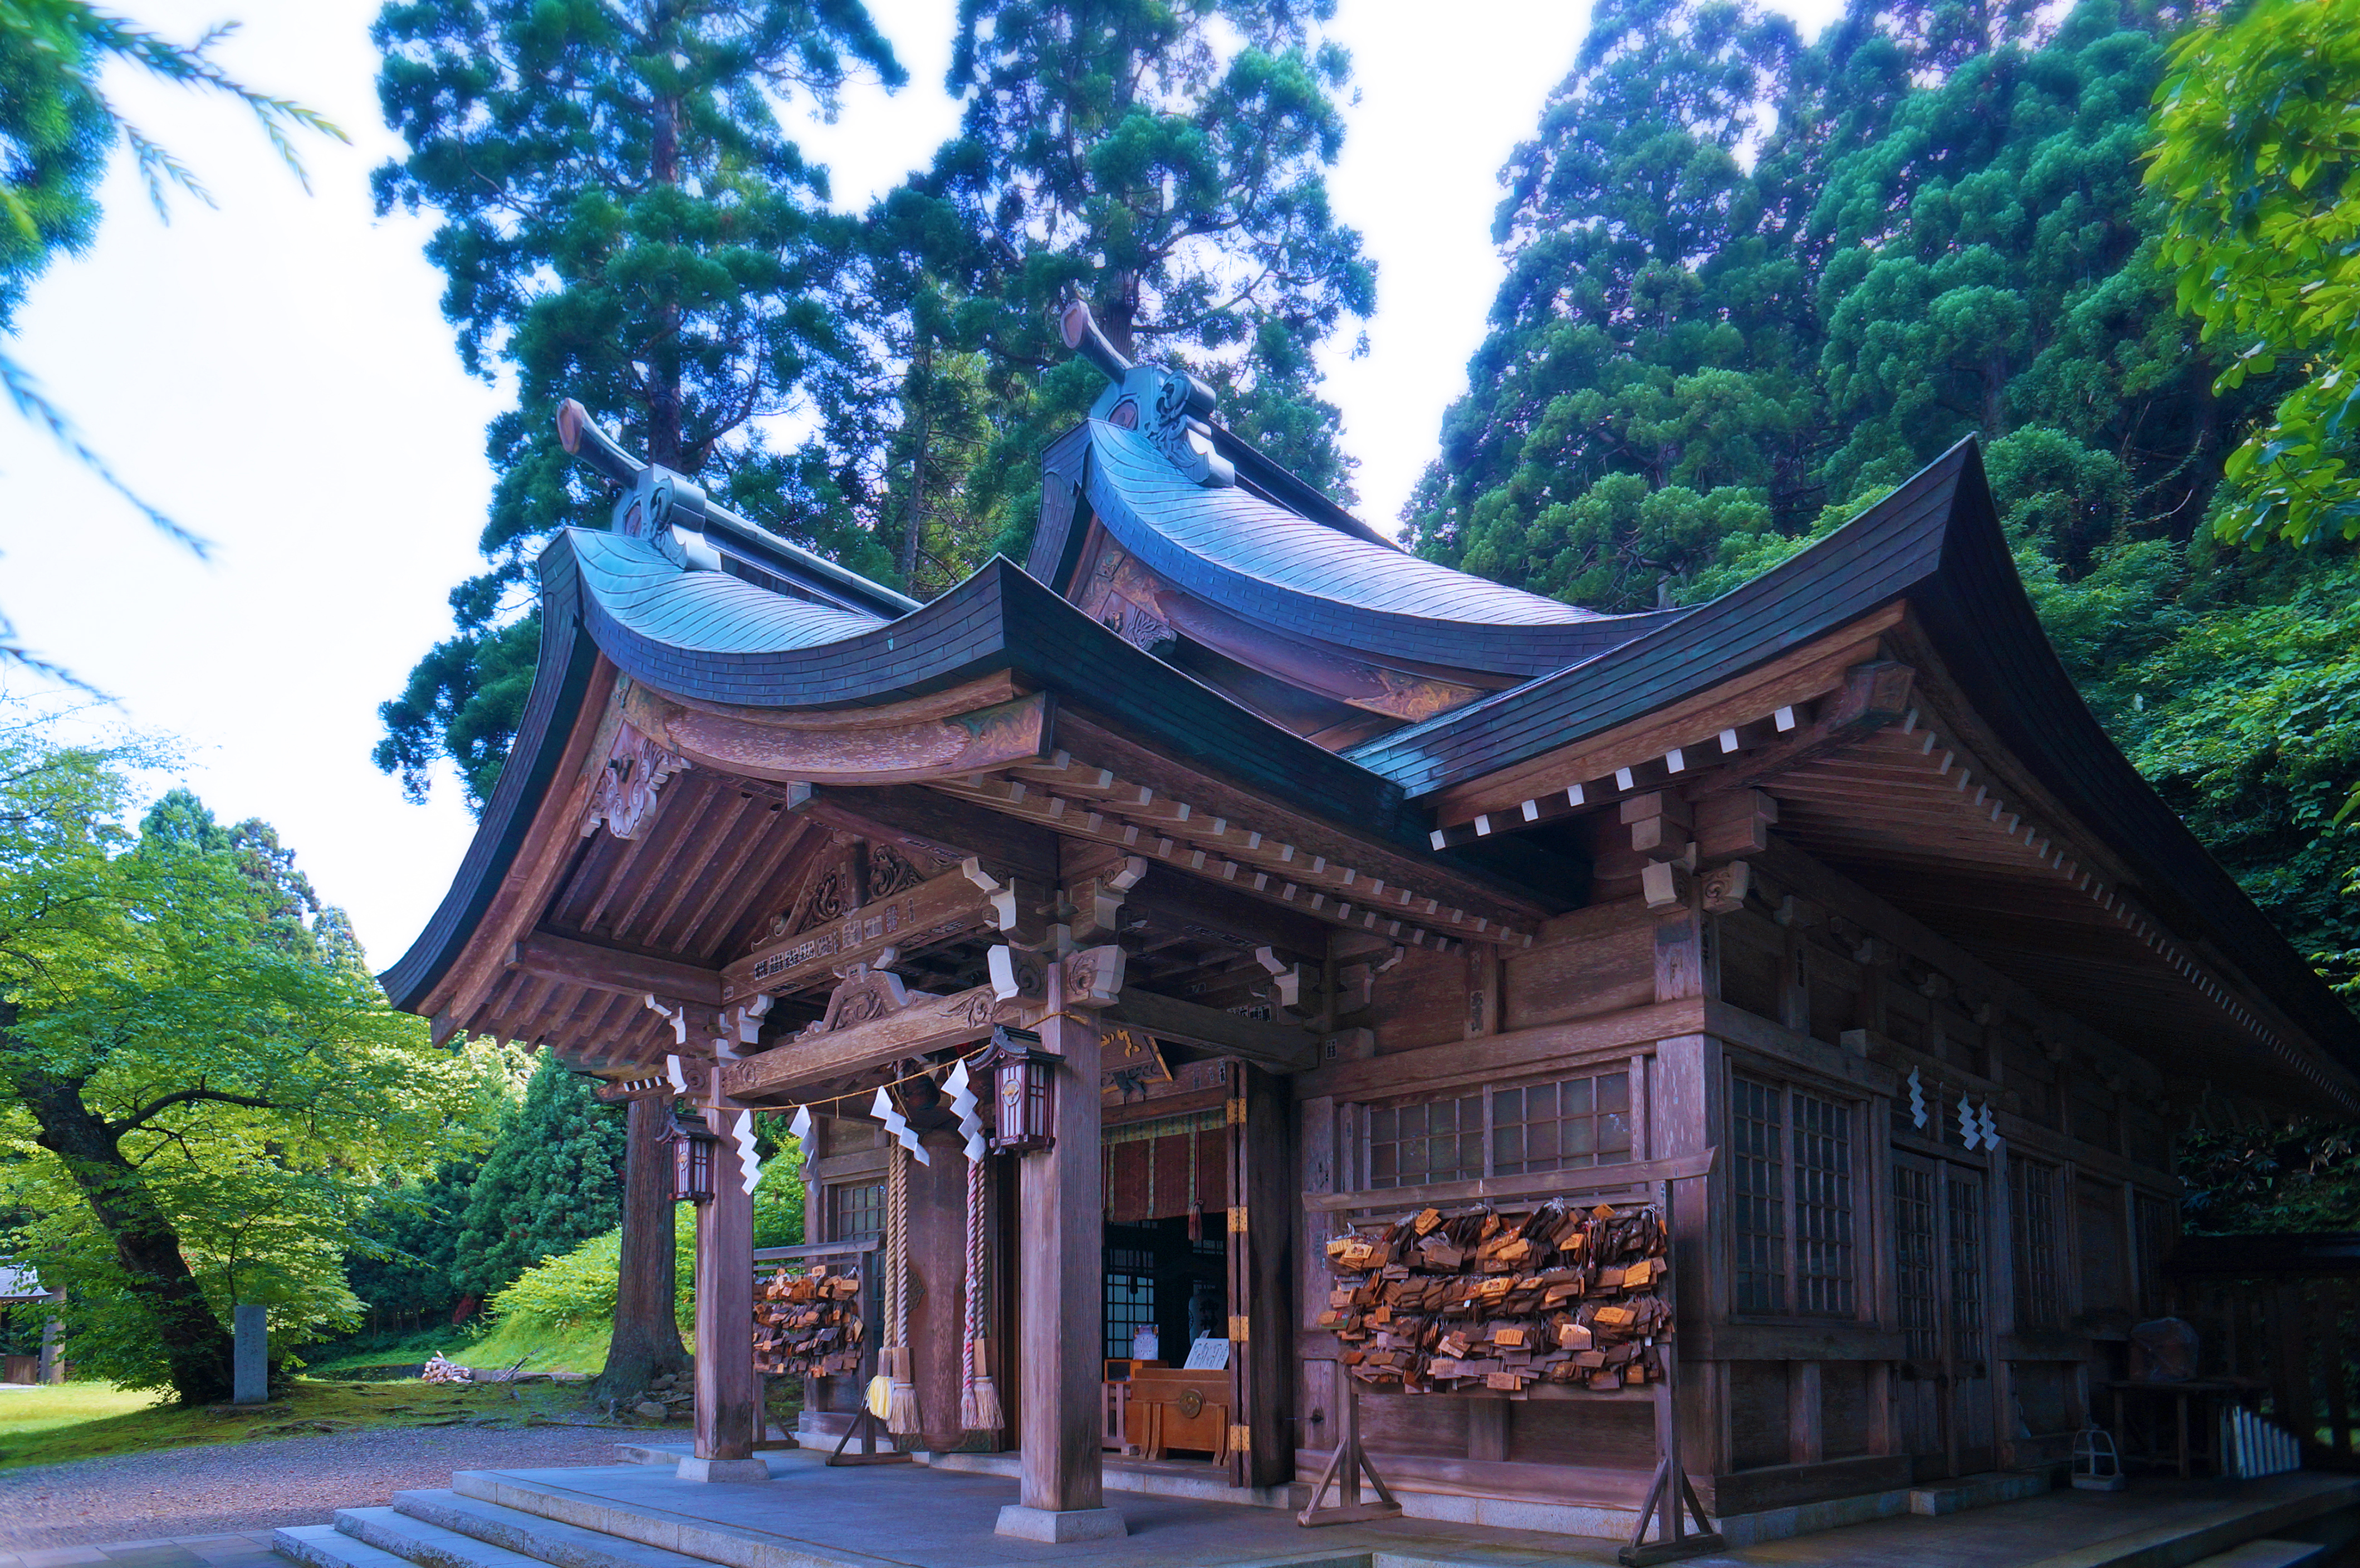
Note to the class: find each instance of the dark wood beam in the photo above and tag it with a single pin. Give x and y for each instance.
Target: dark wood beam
(1282, 1048)
(1873, 695)
(548, 956)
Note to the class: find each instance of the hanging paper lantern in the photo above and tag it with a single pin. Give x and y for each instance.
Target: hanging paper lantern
(692, 1145)
(1026, 1089)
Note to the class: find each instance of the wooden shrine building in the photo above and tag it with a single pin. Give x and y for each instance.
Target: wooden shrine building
(1365, 909)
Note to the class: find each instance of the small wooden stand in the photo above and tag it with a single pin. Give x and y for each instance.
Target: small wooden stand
(865, 1425)
(1345, 1465)
(868, 1427)
(1670, 1498)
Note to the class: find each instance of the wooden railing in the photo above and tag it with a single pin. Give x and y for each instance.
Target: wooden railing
(2283, 1311)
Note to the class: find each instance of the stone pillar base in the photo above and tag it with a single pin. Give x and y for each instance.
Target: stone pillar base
(693, 1469)
(1058, 1526)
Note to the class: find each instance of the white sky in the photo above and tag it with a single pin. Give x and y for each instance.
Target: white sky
(276, 374)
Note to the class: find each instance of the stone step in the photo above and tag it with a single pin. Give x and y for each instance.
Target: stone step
(660, 1527)
(2266, 1553)
(325, 1546)
(2252, 1514)
(531, 1536)
(427, 1545)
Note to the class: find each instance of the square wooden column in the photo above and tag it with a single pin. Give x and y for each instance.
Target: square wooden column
(1061, 1351)
(728, 1391)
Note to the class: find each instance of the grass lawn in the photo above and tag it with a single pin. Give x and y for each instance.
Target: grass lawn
(84, 1420)
(582, 1348)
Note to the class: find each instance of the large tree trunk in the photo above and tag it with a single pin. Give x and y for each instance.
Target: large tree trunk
(646, 1342)
(195, 1344)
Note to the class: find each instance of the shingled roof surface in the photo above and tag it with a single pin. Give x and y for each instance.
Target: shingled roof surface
(1871, 560)
(652, 599)
(1294, 574)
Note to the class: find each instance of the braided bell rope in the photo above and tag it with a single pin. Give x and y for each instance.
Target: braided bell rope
(975, 1265)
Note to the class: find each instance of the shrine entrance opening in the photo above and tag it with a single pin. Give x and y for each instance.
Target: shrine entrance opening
(1170, 1393)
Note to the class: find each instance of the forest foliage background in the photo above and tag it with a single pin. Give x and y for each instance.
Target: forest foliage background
(1753, 282)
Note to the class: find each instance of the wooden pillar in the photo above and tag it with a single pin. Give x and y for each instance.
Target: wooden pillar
(938, 1286)
(728, 1393)
(1061, 1364)
(1262, 1308)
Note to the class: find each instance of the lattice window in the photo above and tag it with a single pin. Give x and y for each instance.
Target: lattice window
(1759, 1171)
(1510, 1130)
(1966, 1263)
(1823, 1222)
(1427, 1140)
(1913, 1257)
(1572, 1122)
(2032, 1203)
(1129, 1297)
(856, 1209)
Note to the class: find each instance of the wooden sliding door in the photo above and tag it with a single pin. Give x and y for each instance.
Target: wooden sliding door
(1942, 1237)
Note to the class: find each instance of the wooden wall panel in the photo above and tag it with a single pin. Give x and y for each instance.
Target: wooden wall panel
(1757, 1414)
(1403, 1423)
(1750, 969)
(1603, 964)
(1845, 1393)
(2044, 1390)
(1620, 1434)
(1422, 1000)
(2105, 1257)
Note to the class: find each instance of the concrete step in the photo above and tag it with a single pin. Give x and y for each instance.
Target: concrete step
(531, 1536)
(2266, 1553)
(325, 1546)
(427, 1545)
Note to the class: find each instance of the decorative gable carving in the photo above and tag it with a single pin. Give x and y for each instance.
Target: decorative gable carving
(626, 798)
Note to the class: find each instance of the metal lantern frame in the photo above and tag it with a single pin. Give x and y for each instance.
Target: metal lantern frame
(1024, 1089)
(692, 1148)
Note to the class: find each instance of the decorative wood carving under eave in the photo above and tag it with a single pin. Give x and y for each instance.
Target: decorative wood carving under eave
(923, 1023)
(626, 794)
(938, 910)
(873, 1017)
(1091, 803)
(869, 745)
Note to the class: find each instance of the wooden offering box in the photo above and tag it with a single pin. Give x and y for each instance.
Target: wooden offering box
(1169, 1407)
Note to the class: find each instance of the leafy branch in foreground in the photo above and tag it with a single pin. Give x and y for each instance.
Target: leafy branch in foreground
(2258, 127)
(57, 128)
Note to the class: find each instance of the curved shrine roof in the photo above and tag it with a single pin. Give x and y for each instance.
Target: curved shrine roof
(1297, 575)
(1934, 543)
(650, 597)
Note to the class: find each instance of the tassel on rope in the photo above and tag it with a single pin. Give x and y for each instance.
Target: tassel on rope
(901, 1416)
(979, 1410)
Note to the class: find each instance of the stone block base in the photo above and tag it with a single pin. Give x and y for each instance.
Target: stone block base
(1058, 1526)
(695, 1469)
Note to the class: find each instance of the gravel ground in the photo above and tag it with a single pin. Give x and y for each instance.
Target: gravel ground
(262, 1486)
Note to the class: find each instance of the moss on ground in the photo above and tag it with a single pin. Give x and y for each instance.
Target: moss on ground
(85, 1421)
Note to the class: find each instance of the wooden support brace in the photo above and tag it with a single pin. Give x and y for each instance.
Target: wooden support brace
(1347, 1465)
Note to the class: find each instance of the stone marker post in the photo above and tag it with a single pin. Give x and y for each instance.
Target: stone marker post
(251, 1366)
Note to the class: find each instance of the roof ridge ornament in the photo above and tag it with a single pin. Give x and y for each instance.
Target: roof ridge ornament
(1171, 407)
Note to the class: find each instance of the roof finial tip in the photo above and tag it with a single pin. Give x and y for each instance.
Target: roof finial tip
(1080, 330)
